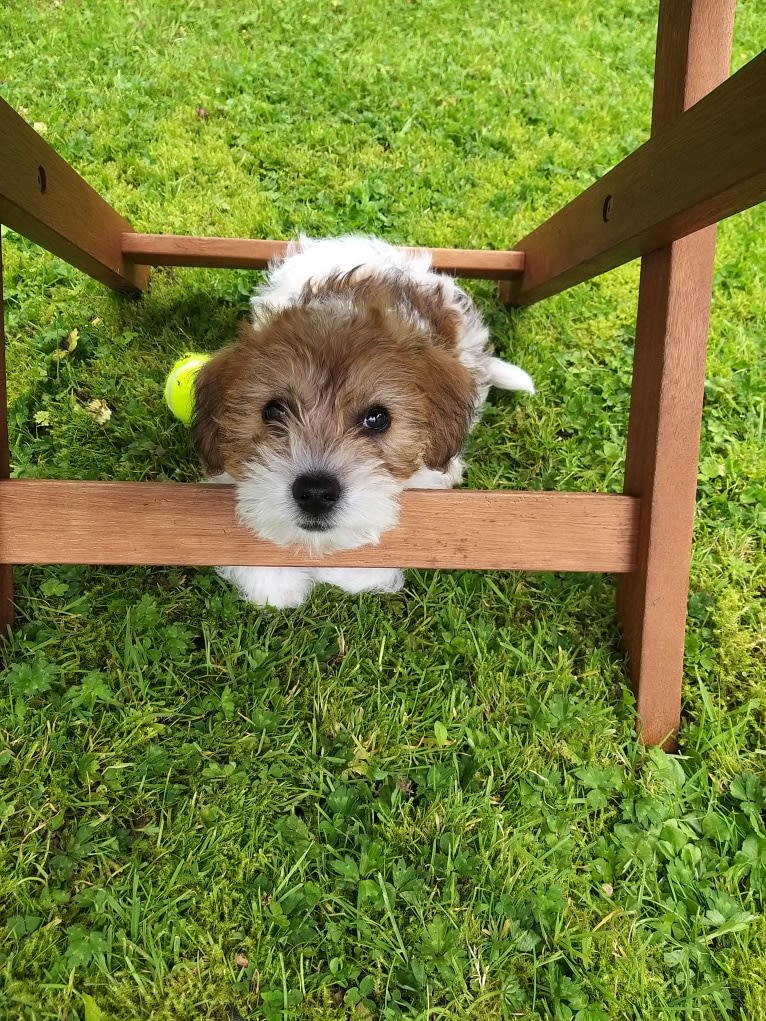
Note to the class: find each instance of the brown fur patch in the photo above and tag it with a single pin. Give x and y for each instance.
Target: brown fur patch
(410, 300)
(328, 362)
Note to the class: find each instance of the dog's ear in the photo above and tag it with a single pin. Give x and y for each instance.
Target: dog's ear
(207, 427)
(215, 391)
(450, 395)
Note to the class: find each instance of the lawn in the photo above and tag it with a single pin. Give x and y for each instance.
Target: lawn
(428, 805)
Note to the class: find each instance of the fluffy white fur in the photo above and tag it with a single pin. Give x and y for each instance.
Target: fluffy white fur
(370, 505)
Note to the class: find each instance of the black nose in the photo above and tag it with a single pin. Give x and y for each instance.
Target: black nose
(317, 493)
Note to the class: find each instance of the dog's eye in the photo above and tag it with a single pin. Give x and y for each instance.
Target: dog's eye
(376, 419)
(275, 411)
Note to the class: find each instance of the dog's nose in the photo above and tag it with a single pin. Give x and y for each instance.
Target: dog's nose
(317, 493)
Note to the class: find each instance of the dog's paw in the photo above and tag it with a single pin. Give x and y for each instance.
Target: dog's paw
(284, 588)
(362, 579)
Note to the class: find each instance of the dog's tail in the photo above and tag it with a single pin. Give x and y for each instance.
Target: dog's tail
(509, 377)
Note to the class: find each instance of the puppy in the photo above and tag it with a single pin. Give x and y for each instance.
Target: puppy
(359, 376)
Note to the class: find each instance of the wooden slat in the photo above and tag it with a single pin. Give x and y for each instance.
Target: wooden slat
(167, 523)
(245, 253)
(6, 573)
(44, 199)
(693, 53)
(702, 167)
(220, 253)
(483, 264)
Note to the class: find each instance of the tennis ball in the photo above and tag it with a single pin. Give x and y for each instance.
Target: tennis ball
(179, 386)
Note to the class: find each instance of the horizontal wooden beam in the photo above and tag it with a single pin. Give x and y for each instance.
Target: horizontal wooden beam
(44, 199)
(217, 253)
(707, 164)
(52, 522)
(246, 253)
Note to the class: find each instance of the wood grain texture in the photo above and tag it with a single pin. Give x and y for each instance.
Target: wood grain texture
(693, 53)
(246, 253)
(56, 522)
(6, 573)
(4, 453)
(696, 169)
(44, 199)
(220, 253)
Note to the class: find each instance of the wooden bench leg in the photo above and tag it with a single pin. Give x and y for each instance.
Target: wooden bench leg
(693, 53)
(6, 573)
(661, 468)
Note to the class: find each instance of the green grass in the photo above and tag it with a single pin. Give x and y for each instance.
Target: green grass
(430, 805)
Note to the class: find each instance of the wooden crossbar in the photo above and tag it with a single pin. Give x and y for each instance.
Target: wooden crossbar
(44, 199)
(53, 522)
(705, 165)
(246, 253)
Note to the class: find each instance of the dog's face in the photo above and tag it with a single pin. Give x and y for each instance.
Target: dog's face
(322, 412)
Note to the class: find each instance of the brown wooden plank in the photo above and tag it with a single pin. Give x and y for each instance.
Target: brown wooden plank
(6, 573)
(246, 253)
(693, 52)
(483, 264)
(696, 169)
(221, 253)
(44, 199)
(169, 523)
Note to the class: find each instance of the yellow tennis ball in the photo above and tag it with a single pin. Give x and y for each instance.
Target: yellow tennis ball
(179, 386)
